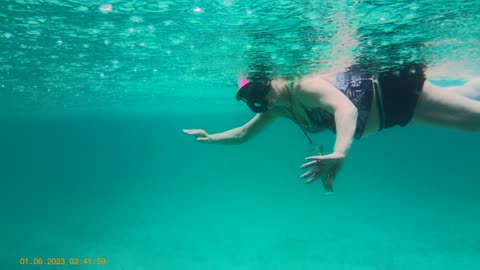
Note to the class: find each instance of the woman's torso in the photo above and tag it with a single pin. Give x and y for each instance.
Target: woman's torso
(318, 119)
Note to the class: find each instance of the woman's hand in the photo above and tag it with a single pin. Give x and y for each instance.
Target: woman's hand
(200, 134)
(325, 167)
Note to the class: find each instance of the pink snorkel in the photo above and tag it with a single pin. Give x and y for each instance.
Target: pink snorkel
(242, 81)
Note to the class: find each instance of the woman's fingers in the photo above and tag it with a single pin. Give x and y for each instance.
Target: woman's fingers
(202, 139)
(316, 163)
(318, 157)
(324, 167)
(333, 156)
(191, 131)
(311, 179)
(198, 133)
(314, 174)
(309, 164)
(307, 173)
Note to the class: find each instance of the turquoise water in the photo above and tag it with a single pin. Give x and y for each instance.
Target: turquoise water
(93, 163)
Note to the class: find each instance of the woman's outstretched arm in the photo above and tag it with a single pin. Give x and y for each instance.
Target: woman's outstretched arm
(236, 135)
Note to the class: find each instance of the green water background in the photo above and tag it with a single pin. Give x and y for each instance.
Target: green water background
(94, 163)
(135, 190)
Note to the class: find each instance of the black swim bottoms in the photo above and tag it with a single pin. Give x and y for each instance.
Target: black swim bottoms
(397, 94)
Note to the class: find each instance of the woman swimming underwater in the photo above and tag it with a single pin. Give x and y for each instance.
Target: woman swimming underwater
(353, 104)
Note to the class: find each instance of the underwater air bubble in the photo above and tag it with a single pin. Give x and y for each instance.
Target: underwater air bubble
(162, 7)
(136, 19)
(106, 8)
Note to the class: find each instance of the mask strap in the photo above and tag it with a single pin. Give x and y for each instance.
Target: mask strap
(293, 114)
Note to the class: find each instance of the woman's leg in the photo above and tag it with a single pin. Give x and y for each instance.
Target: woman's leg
(440, 107)
(471, 89)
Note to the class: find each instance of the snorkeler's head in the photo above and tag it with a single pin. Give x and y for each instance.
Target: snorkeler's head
(254, 93)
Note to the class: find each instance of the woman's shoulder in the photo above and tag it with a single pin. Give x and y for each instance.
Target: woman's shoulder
(316, 81)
